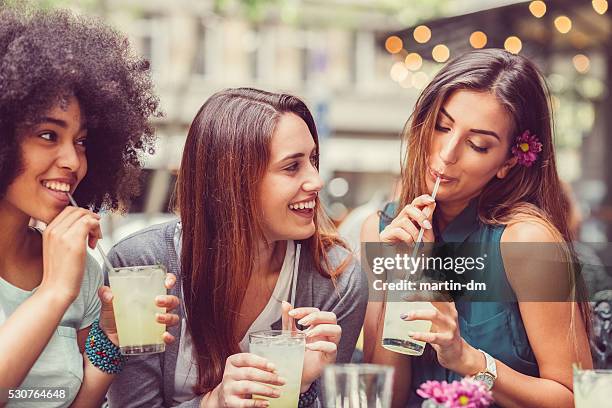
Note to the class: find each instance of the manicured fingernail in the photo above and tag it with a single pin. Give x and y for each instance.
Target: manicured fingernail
(304, 322)
(292, 313)
(406, 315)
(427, 224)
(271, 367)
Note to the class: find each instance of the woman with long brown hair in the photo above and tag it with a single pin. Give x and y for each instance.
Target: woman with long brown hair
(484, 127)
(251, 236)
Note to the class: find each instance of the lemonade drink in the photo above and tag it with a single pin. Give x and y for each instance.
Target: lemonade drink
(395, 330)
(134, 291)
(285, 350)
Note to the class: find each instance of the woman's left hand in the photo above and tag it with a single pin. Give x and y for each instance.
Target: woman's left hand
(322, 338)
(453, 352)
(107, 316)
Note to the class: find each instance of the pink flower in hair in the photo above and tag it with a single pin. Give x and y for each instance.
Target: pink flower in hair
(526, 148)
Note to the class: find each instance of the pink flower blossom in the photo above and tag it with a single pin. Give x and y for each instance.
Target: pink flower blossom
(526, 148)
(467, 393)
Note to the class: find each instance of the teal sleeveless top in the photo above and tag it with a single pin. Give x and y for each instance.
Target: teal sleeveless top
(495, 327)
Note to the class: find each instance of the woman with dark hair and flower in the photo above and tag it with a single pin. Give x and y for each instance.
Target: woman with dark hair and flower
(484, 127)
(75, 106)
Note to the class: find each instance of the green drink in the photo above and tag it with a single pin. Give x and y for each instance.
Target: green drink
(134, 291)
(284, 349)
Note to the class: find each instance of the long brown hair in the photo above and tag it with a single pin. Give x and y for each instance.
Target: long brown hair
(525, 191)
(225, 157)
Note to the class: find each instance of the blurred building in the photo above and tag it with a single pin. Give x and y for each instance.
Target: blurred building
(325, 52)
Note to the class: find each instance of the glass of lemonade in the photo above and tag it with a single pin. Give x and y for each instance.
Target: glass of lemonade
(357, 386)
(395, 337)
(134, 291)
(284, 349)
(592, 388)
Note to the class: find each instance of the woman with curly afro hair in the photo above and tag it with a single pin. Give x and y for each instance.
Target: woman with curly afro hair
(75, 110)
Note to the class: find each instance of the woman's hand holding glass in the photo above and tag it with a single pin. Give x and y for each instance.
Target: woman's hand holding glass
(322, 339)
(453, 352)
(405, 227)
(245, 374)
(170, 302)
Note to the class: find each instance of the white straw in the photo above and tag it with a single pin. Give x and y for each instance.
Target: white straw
(422, 230)
(98, 247)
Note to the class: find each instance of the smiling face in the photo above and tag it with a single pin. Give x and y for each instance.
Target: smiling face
(469, 145)
(53, 160)
(289, 188)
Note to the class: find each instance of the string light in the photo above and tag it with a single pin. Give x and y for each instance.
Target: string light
(600, 6)
(581, 63)
(563, 24)
(513, 44)
(440, 53)
(478, 39)
(413, 61)
(398, 72)
(420, 80)
(422, 34)
(394, 44)
(537, 8)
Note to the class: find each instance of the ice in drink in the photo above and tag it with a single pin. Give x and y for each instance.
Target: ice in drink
(134, 291)
(285, 350)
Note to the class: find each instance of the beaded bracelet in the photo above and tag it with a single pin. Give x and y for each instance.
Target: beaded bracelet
(102, 352)
(308, 398)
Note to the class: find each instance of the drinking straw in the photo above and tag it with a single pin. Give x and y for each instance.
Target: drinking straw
(422, 230)
(98, 247)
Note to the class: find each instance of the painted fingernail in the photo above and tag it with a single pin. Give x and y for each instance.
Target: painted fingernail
(427, 224)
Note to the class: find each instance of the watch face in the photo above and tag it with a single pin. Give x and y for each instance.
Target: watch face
(486, 379)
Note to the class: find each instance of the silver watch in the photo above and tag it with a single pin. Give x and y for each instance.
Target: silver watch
(489, 375)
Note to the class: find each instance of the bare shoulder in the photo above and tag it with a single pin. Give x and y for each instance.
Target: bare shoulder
(369, 229)
(530, 229)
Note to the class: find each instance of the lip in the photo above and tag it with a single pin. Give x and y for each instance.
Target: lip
(60, 197)
(443, 178)
(305, 213)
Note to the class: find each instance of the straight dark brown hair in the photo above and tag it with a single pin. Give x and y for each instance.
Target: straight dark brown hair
(525, 192)
(217, 194)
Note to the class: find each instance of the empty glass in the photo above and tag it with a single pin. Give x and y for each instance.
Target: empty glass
(592, 388)
(357, 386)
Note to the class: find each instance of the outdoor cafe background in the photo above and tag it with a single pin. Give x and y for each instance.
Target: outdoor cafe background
(360, 65)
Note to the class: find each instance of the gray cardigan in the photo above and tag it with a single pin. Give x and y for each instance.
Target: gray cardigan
(148, 381)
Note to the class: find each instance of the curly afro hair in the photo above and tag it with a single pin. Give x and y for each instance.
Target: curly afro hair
(46, 56)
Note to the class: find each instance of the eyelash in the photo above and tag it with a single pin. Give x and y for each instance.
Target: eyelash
(472, 145)
(314, 159)
(82, 142)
